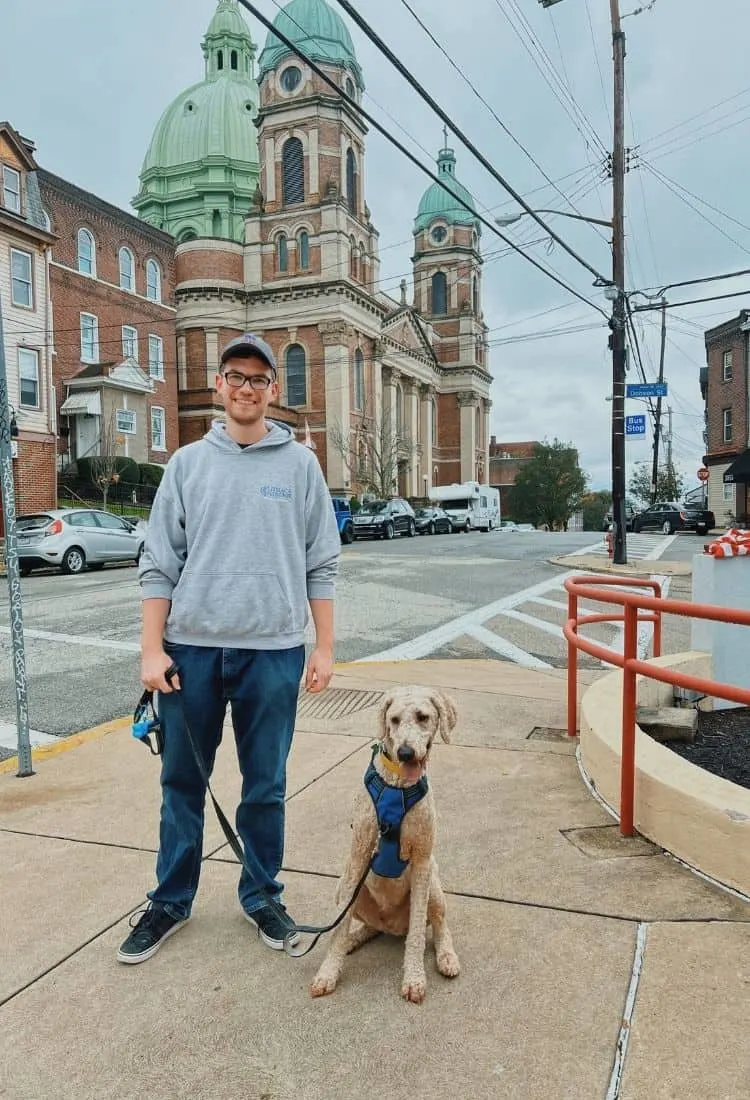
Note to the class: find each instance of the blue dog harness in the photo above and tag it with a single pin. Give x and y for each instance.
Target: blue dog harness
(392, 804)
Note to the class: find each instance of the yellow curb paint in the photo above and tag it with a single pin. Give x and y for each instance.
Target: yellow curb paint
(44, 752)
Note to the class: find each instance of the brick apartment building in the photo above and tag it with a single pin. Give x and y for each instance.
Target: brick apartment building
(724, 385)
(506, 462)
(25, 243)
(112, 287)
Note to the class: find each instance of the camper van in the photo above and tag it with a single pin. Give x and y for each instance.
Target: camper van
(471, 506)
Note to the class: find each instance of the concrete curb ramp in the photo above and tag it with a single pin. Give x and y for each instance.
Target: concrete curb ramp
(647, 567)
(701, 818)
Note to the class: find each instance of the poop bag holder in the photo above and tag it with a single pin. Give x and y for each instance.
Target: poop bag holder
(146, 724)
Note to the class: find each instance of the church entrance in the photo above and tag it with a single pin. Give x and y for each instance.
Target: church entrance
(403, 471)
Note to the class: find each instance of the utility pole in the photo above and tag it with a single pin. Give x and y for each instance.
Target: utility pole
(657, 418)
(669, 440)
(14, 577)
(617, 323)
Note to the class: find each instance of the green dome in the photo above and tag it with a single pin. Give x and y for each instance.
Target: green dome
(318, 31)
(438, 203)
(228, 19)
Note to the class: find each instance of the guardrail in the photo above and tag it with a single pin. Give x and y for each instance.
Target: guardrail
(636, 607)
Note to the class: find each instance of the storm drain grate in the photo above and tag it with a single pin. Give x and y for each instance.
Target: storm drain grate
(548, 733)
(337, 703)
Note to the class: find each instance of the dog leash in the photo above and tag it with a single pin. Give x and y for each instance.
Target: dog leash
(143, 726)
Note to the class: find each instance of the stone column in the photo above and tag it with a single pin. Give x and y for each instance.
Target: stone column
(386, 427)
(426, 395)
(467, 402)
(411, 434)
(181, 363)
(486, 439)
(335, 336)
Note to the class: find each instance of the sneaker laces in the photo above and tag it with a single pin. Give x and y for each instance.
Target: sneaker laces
(145, 918)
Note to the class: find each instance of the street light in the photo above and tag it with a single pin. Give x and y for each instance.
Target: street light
(511, 219)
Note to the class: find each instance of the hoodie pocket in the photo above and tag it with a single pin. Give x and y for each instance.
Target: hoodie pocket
(239, 606)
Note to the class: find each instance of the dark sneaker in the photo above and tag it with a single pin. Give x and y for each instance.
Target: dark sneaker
(149, 933)
(271, 928)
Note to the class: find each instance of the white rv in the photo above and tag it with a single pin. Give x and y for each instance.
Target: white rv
(471, 506)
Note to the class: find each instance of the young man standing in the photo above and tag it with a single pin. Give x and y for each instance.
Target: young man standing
(242, 536)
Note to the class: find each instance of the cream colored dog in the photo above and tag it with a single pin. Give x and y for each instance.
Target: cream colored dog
(410, 719)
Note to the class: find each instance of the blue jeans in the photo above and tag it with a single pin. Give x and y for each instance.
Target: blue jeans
(262, 687)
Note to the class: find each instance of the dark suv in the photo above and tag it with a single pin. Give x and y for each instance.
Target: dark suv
(382, 519)
(669, 516)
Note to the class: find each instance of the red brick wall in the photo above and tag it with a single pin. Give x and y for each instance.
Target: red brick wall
(34, 473)
(209, 265)
(732, 394)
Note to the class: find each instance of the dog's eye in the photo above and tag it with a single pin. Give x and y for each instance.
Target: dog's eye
(422, 717)
(395, 720)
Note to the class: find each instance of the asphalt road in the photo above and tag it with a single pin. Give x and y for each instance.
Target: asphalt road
(477, 595)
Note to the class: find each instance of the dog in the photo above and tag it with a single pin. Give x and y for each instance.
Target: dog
(410, 718)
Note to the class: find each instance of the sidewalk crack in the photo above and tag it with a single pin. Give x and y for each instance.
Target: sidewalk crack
(623, 1039)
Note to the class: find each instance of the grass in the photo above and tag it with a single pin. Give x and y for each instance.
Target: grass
(123, 508)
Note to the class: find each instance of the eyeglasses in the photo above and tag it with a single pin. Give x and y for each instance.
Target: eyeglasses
(237, 380)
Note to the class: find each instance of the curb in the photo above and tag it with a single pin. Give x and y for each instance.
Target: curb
(45, 752)
(642, 568)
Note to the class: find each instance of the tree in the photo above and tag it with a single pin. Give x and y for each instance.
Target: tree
(670, 484)
(550, 487)
(104, 466)
(595, 507)
(374, 452)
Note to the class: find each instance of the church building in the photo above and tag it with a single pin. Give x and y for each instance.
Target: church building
(259, 172)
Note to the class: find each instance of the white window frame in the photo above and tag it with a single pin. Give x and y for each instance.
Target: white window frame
(13, 279)
(130, 287)
(162, 444)
(726, 366)
(86, 233)
(155, 286)
(29, 353)
(156, 365)
(129, 342)
(126, 422)
(726, 422)
(93, 356)
(15, 206)
(728, 488)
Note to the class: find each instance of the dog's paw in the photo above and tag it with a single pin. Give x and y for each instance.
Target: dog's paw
(414, 990)
(448, 964)
(323, 985)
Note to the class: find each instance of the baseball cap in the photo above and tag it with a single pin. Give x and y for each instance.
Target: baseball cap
(249, 344)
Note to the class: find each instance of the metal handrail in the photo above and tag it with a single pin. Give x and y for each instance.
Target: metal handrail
(636, 607)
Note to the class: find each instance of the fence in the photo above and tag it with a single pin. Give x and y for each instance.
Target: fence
(121, 497)
(636, 607)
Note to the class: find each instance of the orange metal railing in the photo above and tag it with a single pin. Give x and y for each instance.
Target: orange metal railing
(636, 607)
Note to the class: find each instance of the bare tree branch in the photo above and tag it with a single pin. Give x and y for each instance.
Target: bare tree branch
(104, 465)
(373, 451)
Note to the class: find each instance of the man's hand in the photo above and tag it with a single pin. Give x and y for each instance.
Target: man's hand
(154, 666)
(319, 670)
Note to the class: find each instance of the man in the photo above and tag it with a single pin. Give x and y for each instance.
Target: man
(242, 536)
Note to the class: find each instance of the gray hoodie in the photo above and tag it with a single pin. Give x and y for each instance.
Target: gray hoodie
(239, 539)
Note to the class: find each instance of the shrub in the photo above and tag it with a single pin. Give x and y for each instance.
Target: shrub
(127, 468)
(151, 474)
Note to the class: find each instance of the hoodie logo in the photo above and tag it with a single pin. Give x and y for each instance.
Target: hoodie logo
(276, 492)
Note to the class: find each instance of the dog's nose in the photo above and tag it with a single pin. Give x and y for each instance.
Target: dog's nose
(405, 753)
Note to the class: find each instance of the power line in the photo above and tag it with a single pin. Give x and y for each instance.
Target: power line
(666, 183)
(705, 202)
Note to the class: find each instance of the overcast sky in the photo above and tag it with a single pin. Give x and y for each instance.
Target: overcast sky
(89, 80)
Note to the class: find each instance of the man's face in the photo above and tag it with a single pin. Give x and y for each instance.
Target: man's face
(246, 387)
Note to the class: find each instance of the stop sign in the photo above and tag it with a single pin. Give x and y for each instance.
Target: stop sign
(703, 474)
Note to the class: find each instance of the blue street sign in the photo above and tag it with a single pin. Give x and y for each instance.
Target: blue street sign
(635, 425)
(646, 389)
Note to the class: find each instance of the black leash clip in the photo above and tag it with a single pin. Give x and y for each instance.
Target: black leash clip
(146, 722)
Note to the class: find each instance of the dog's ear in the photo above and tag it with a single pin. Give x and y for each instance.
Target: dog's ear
(447, 713)
(382, 713)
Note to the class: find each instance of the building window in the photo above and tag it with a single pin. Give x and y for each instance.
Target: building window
(351, 181)
(353, 257)
(153, 281)
(726, 367)
(359, 380)
(728, 493)
(282, 252)
(291, 78)
(89, 338)
(129, 342)
(293, 172)
(233, 60)
(296, 375)
(11, 189)
(127, 270)
(439, 293)
(362, 267)
(156, 357)
(125, 421)
(21, 281)
(86, 253)
(726, 415)
(220, 60)
(158, 429)
(475, 295)
(28, 372)
(303, 251)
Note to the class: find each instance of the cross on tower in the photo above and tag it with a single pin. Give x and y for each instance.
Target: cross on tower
(445, 137)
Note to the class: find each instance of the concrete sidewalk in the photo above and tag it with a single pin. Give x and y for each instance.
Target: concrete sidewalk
(549, 909)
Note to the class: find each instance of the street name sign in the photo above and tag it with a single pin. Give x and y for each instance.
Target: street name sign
(646, 389)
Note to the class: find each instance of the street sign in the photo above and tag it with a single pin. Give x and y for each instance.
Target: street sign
(635, 426)
(703, 474)
(646, 389)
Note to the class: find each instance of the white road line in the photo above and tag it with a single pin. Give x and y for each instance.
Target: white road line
(505, 649)
(549, 603)
(77, 639)
(539, 624)
(658, 550)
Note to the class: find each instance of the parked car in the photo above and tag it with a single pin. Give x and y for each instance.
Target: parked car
(630, 514)
(669, 516)
(74, 538)
(344, 519)
(508, 526)
(433, 521)
(383, 519)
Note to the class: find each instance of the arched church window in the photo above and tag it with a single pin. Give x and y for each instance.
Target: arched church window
(282, 252)
(439, 293)
(296, 375)
(233, 60)
(127, 270)
(359, 380)
(303, 251)
(293, 171)
(362, 260)
(475, 295)
(86, 252)
(353, 255)
(351, 181)
(220, 60)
